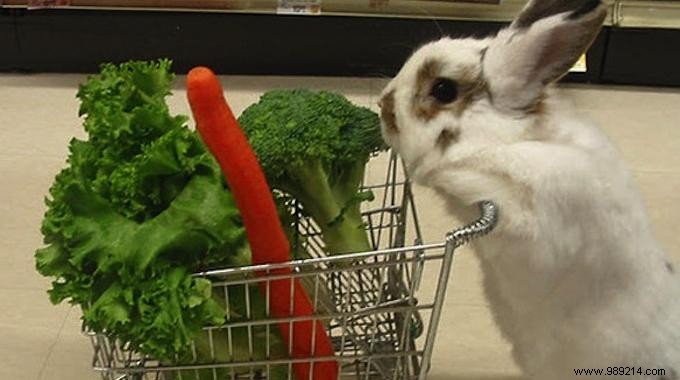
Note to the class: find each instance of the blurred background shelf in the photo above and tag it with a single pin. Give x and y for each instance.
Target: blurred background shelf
(339, 38)
(625, 13)
(480, 10)
(647, 14)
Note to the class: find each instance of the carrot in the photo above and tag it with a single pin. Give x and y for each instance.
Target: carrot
(221, 132)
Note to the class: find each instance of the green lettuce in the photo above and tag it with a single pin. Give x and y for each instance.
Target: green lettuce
(140, 206)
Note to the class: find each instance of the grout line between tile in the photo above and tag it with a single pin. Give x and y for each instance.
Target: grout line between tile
(56, 340)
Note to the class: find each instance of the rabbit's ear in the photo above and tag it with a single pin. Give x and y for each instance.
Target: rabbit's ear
(540, 46)
(536, 10)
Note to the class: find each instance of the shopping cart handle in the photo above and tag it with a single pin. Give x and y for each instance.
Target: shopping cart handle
(481, 227)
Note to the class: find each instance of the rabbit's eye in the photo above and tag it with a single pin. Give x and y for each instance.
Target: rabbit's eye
(444, 90)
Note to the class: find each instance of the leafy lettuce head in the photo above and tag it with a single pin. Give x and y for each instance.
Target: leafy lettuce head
(140, 206)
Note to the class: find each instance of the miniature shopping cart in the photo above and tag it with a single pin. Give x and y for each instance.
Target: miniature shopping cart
(381, 319)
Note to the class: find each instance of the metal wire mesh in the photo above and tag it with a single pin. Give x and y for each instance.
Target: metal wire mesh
(381, 324)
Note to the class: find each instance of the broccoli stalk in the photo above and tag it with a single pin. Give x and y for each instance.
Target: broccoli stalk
(334, 206)
(315, 146)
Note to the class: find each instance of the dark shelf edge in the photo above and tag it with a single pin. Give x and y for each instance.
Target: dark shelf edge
(260, 44)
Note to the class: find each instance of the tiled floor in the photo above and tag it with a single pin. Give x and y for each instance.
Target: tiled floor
(38, 115)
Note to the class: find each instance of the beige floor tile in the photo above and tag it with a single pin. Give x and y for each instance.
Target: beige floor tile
(642, 121)
(26, 181)
(465, 285)
(17, 262)
(623, 98)
(23, 350)
(661, 191)
(30, 308)
(70, 359)
(41, 81)
(38, 114)
(73, 323)
(71, 356)
(468, 342)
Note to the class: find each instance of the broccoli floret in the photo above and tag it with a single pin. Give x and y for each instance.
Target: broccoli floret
(315, 146)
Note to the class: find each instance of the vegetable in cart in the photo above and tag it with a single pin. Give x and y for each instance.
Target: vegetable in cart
(140, 207)
(223, 136)
(315, 146)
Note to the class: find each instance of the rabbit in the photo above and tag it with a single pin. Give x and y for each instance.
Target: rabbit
(573, 274)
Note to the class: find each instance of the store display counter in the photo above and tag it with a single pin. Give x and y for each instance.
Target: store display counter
(309, 37)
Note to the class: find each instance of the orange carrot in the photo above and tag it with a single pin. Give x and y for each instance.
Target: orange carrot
(222, 134)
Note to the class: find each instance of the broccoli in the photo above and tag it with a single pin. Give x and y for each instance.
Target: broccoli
(315, 146)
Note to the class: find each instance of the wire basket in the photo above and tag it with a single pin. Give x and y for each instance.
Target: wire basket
(381, 319)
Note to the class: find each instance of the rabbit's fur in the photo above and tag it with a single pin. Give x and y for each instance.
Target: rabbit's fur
(573, 272)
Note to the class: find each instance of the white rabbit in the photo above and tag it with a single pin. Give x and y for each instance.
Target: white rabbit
(573, 273)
